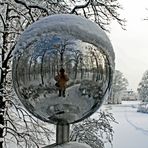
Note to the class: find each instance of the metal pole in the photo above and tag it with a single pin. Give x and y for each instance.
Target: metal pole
(62, 133)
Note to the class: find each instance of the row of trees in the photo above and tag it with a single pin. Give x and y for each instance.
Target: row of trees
(16, 125)
(120, 84)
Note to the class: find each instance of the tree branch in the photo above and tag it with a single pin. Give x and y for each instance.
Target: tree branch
(80, 7)
(32, 6)
(3, 21)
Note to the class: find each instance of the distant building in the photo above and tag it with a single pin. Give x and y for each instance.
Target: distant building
(126, 95)
(129, 95)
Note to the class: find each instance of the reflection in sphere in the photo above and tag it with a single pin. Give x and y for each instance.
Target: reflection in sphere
(62, 73)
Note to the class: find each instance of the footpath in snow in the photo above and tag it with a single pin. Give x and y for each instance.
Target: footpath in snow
(132, 130)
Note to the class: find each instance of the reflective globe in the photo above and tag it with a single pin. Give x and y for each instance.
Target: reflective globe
(62, 68)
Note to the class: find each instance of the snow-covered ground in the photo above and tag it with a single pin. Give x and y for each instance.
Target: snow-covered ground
(132, 130)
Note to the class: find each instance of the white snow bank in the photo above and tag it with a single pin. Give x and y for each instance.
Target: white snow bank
(133, 104)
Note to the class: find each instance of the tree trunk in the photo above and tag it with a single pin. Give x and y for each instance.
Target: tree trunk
(3, 67)
(2, 106)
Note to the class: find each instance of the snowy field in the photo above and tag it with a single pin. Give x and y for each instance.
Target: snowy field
(132, 130)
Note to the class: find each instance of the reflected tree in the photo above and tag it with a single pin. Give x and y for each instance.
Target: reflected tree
(97, 61)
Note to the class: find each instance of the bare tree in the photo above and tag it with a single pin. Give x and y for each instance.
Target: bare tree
(101, 12)
(15, 16)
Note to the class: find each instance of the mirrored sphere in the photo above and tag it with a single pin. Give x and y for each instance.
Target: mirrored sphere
(62, 68)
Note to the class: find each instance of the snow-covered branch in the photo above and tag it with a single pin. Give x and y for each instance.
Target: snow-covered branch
(32, 6)
(80, 7)
(94, 131)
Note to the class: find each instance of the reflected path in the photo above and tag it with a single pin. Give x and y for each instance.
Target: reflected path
(71, 103)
